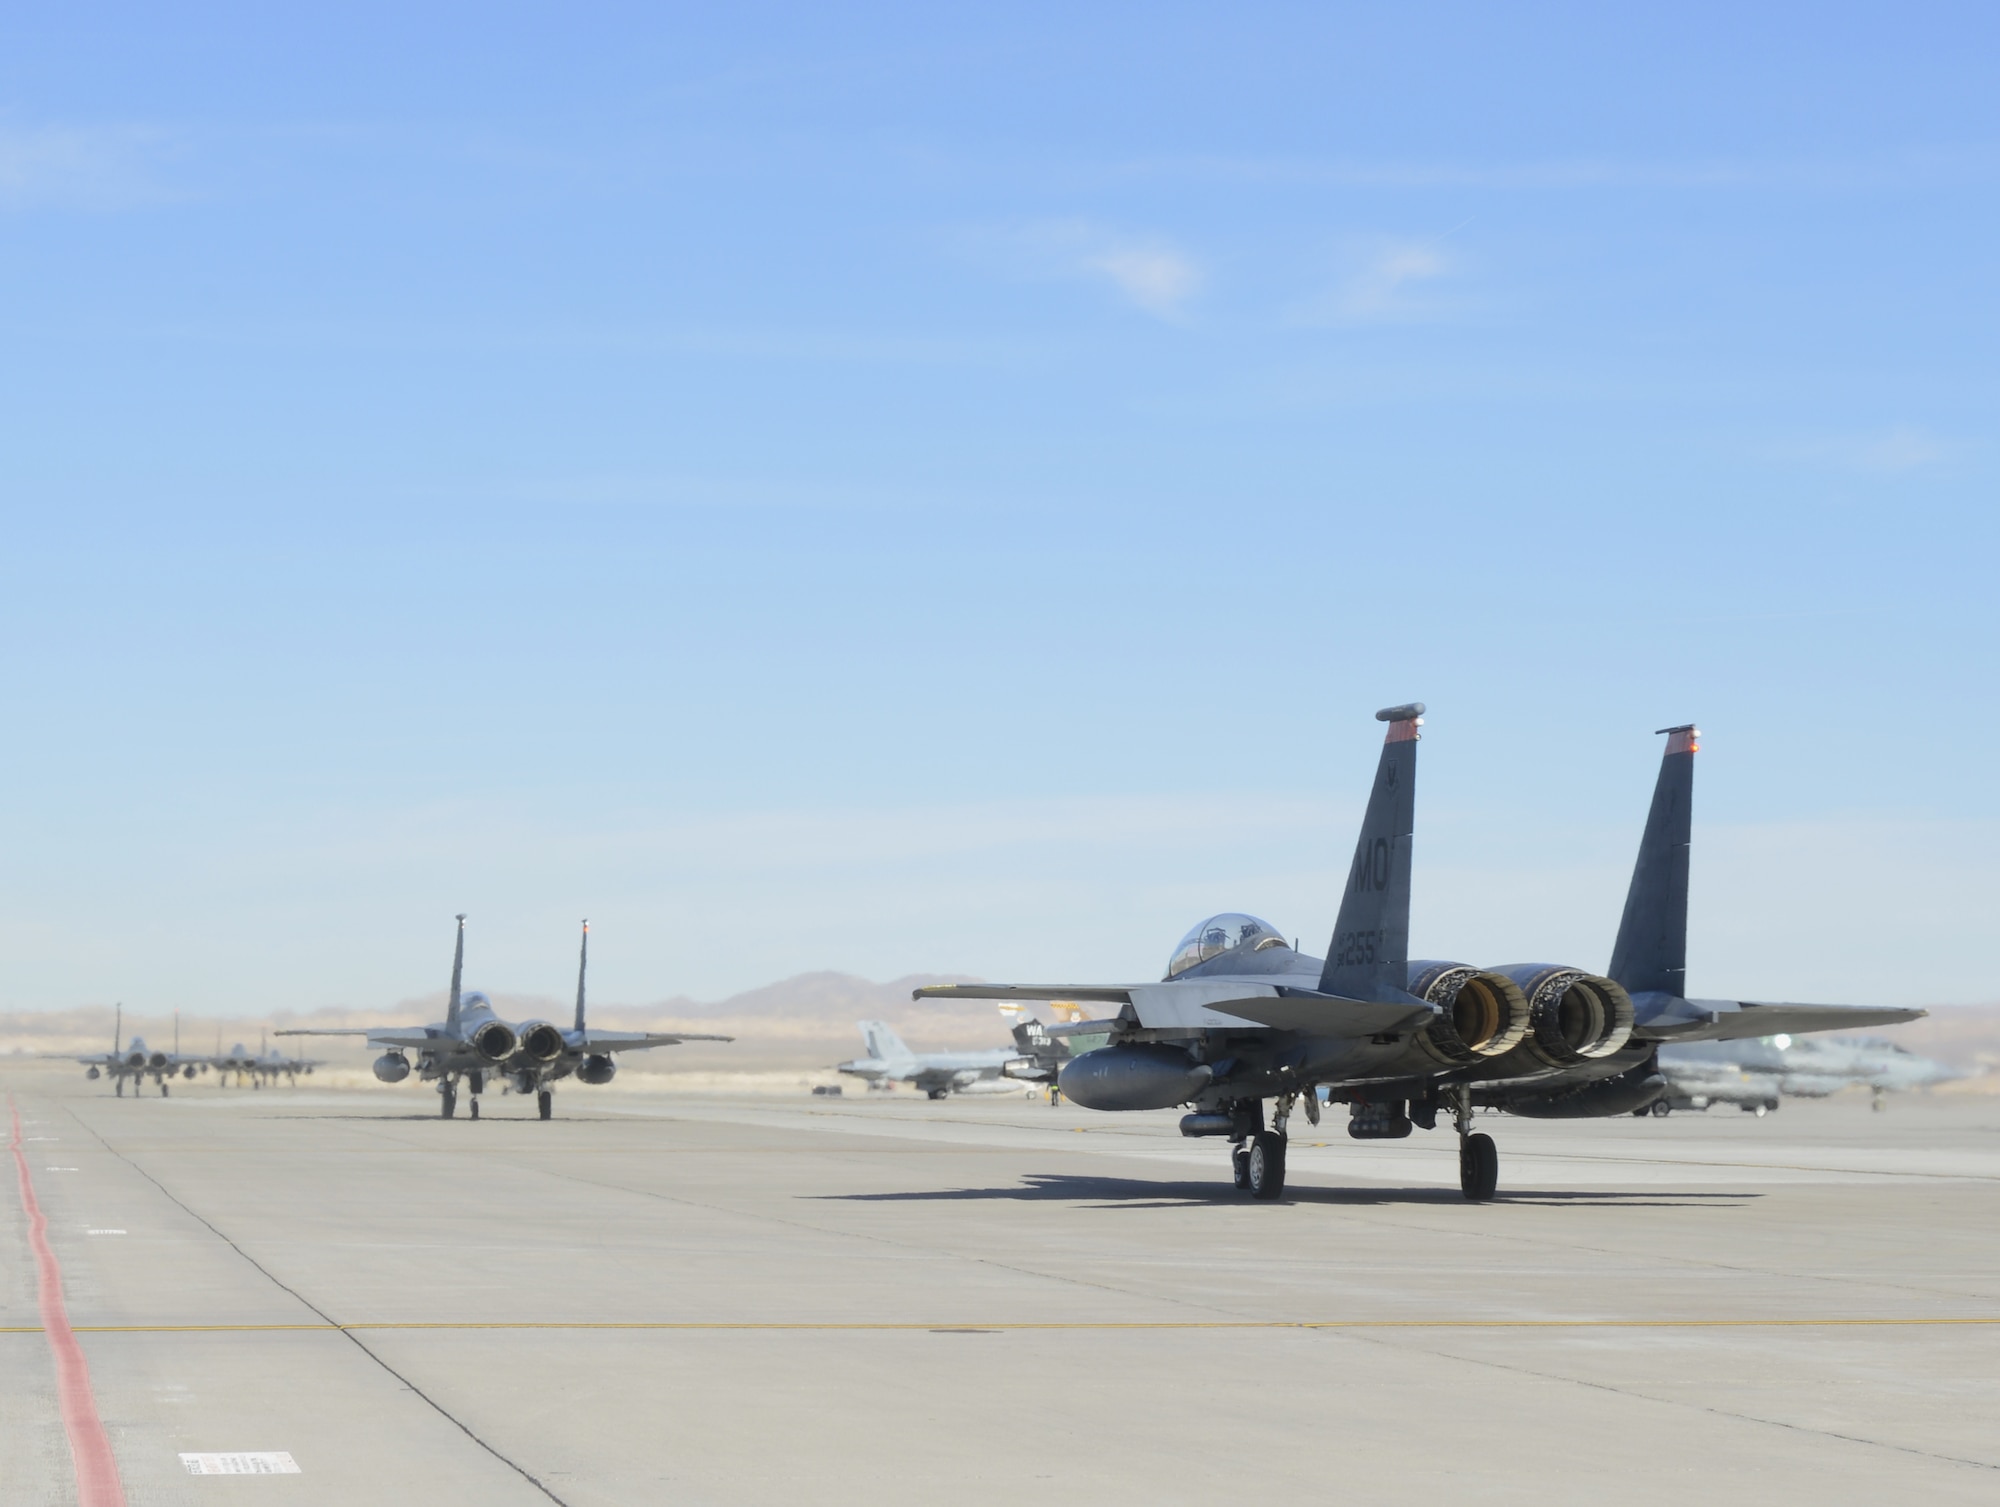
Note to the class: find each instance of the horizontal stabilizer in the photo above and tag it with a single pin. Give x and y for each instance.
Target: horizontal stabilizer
(1733, 1020)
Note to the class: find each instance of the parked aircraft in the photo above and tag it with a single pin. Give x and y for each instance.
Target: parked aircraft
(936, 1073)
(139, 1061)
(1241, 1017)
(472, 1043)
(1757, 1075)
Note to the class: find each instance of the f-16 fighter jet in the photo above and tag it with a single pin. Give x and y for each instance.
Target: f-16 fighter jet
(936, 1073)
(138, 1061)
(474, 1044)
(1242, 1018)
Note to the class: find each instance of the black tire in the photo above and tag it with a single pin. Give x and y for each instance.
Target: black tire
(163, 1088)
(1265, 1165)
(934, 1093)
(545, 1104)
(1239, 1164)
(121, 1088)
(475, 1107)
(1478, 1167)
(447, 1101)
(1662, 1108)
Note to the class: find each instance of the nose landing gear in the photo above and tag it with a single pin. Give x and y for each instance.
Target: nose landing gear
(545, 1103)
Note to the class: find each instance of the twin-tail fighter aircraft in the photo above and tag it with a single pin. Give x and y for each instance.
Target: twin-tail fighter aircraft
(139, 1061)
(1241, 1018)
(266, 1066)
(474, 1044)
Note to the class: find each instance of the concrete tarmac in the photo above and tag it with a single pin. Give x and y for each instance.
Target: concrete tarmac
(884, 1300)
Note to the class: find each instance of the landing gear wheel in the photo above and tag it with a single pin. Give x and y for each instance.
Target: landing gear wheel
(447, 1101)
(545, 1104)
(121, 1088)
(1478, 1167)
(475, 1108)
(934, 1093)
(1662, 1108)
(1239, 1164)
(1265, 1165)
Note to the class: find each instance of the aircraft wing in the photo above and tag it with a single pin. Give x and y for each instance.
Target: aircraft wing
(416, 1038)
(1187, 1007)
(632, 1041)
(1739, 1020)
(1114, 994)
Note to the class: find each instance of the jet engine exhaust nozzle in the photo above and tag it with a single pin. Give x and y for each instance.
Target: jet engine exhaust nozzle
(1481, 1014)
(540, 1041)
(392, 1067)
(495, 1041)
(1134, 1077)
(1573, 1016)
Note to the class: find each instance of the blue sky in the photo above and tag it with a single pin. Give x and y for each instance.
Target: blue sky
(897, 490)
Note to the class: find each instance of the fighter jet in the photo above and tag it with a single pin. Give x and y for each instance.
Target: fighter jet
(472, 1043)
(1755, 1075)
(1039, 1057)
(266, 1066)
(138, 1061)
(936, 1073)
(1241, 1017)
(547, 1054)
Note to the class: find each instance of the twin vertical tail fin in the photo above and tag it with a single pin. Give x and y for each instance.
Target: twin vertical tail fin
(457, 974)
(1369, 955)
(1651, 952)
(582, 962)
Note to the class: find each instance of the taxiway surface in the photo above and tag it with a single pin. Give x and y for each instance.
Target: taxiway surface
(883, 1300)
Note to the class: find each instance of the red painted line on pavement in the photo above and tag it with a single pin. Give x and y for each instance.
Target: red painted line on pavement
(97, 1483)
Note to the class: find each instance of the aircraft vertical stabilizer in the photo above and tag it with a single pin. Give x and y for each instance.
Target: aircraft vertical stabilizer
(1369, 956)
(582, 962)
(1651, 951)
(457, 974)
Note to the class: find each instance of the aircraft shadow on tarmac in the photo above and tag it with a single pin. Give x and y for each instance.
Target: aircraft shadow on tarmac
(1130, 1193)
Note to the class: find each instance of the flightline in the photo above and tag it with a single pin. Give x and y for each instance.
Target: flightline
(1009, 1326)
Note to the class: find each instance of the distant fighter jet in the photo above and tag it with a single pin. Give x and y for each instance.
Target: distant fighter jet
(139, 1062)
(1241, 1017)
(1756, 1075)
(473, 1043)
(265, 1067)
(936, 1073)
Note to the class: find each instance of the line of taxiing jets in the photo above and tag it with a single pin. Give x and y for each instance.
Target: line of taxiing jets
(137, 1062)
(1245, 1030)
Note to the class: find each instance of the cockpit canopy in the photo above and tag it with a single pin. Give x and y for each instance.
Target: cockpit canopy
(1217, 935)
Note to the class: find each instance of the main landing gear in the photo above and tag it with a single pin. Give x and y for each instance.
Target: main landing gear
(1478, 1158)
(447, 1099)
(1257, 1162)
(545, 1103)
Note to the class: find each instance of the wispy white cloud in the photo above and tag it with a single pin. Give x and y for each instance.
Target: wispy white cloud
(89, 167)
(1157, 278)
(1385, 282)
(1896, 451)
(1147, 271)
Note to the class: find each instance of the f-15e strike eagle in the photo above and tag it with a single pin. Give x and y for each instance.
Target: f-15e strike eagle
(1242, 1018)
(474, 1044)
(139, 1061)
